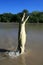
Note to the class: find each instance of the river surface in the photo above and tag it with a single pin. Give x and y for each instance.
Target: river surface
(34, 45)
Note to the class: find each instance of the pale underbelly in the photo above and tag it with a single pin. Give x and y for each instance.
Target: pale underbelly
(23, 37)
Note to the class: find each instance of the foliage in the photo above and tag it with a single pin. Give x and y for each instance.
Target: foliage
(34, 17)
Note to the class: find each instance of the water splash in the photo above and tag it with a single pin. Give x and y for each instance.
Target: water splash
(13, 54)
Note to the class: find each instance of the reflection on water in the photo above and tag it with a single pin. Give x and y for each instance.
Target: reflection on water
(34, 46)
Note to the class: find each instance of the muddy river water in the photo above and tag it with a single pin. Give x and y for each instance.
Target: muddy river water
(34, 45)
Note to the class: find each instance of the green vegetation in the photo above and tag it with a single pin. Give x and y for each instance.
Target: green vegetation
(35, 17)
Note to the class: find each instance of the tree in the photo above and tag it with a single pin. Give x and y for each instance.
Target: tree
(15, 18)
(34, 17)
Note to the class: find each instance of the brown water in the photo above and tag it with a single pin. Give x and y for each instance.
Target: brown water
(34, 45)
